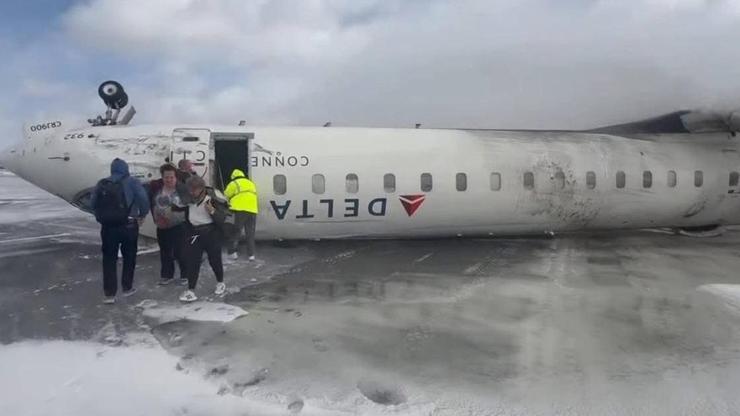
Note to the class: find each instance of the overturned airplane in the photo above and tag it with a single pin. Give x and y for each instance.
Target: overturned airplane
(680, 171)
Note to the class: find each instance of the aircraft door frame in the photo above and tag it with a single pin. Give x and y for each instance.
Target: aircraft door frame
(246, 139)
(193, 144)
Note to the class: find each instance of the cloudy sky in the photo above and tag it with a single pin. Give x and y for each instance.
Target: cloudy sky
(452, 63)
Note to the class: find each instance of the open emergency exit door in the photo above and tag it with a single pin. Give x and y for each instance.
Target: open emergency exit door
(193, 144)
(231, 152)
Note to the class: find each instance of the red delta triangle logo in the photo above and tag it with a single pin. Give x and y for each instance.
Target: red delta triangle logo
(411, 203)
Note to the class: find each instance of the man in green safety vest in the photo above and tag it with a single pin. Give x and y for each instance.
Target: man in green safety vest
(242, 195)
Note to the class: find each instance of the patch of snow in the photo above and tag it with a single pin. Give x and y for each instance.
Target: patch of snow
(196, 311)
(22, 202)
(35, 212)
(66, 378)
(26, 252)
(147, 250)
(40, 237)
(424, 257)
(730, 294)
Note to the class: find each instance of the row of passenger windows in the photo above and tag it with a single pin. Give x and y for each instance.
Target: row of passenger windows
(352, 182)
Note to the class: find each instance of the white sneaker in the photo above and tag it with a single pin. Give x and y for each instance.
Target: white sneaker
(233, 256)
(220, 289)
(165, 282)
(188, 296)
(109, 300)
(128, 293)
(251, 258)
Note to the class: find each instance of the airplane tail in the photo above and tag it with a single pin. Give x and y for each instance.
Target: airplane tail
(697, 121)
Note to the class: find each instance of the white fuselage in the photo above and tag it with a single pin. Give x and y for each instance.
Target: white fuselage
(338, 183)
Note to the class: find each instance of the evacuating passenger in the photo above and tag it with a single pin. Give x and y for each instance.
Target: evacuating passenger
(185, 170)
(163, 194)
(242, 195)
(120, 204)
(205, 215)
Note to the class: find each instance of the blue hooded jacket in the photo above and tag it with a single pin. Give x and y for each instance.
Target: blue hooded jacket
(133, 190)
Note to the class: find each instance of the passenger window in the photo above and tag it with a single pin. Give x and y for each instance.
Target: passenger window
(560, 179)
(621, 179)
(495, 181)
(734, 178)
(461, 182)
(672, 179)
(528, 180)
(352, 183)
(698, 178)
(389, 182)
(318, 184)
(647, 179)
(591, 180)
(279, 184)
(426, 182)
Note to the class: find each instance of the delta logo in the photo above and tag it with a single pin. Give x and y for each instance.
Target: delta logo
(412, 203)
(343, 208)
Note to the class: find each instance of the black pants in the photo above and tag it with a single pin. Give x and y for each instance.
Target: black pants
(171, 246)
(246, 221)
(203, 238)
(126, 238)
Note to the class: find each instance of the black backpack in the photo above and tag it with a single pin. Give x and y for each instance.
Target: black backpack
(110, 203)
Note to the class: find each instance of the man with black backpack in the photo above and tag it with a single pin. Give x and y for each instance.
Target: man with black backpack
(120, 204)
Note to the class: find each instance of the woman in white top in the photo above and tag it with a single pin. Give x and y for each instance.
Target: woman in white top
(205, 211)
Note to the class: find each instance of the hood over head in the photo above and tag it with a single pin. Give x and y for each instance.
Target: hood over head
(119, 167)
(237, 173)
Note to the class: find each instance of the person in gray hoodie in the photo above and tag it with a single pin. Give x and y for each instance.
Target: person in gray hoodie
(120, 204)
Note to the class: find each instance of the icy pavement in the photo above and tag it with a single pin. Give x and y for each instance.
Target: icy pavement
(50, 284)
(636, 323)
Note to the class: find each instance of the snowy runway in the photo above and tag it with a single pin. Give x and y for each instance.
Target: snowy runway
(632, 323)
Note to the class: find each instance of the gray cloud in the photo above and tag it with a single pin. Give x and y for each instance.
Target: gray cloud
(467, 63)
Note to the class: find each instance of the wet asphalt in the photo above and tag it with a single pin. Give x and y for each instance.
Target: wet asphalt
(607, 323)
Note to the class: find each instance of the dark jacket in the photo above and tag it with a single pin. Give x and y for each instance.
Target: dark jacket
(134, 192)
(156, 185)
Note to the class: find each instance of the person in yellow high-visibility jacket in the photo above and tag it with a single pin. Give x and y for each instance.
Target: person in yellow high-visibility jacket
(242, 195)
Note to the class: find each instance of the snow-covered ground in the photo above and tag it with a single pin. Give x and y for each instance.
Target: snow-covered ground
(609, 324)
(20, 201)
(729, 295)
(66, 378)
(131, 374)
